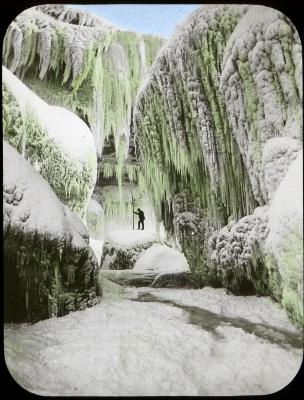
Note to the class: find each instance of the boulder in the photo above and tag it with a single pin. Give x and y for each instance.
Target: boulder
(49, 269)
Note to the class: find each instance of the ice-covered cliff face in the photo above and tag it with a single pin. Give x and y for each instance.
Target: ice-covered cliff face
(81, 62)
(217, 124)
(49, 269)
(55, 141)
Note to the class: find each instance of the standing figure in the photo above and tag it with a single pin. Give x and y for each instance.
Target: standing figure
(141, 217)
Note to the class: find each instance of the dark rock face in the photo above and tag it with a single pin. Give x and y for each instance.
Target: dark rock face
(133, 278)
(45, 277)
(175, 280)
(128, 277)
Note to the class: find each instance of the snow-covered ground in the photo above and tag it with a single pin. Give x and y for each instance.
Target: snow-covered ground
(129, 237)
(138, 348)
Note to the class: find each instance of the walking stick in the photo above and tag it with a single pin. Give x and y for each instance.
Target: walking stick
(132, 208)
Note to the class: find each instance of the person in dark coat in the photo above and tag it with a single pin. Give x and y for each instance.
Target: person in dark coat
(141, 217)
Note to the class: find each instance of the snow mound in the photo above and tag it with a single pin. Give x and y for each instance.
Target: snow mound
(161, 258)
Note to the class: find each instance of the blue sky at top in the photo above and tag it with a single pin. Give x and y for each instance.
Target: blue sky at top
(155, 19)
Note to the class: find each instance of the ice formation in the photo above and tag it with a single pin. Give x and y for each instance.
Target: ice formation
(55, 141)
(49, 268)
(261, 86)
(84, 64)
(217, 124)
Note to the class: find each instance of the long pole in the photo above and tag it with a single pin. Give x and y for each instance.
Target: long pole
(132, 208)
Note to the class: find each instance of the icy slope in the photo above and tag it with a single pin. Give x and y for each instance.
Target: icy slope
(84, 64)
(48, 267)
(56, 142)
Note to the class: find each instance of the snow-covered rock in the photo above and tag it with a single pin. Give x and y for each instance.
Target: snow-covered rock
(57, 143)
(284, 244)
(161, 259)
(157, 266)
(46, 254)
(261, 86)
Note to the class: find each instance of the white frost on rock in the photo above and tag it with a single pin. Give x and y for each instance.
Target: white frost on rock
(30, 204)
(260, 82)
(284, 243)
(162, 259)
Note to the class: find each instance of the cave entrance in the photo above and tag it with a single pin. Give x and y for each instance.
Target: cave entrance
(117, 193)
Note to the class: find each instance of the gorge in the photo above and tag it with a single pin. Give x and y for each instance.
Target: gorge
(203, 131)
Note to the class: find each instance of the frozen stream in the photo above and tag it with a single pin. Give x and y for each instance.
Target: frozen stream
(159, 342)
(211, 321)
